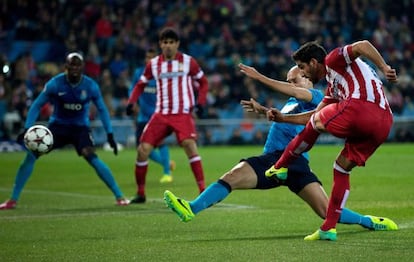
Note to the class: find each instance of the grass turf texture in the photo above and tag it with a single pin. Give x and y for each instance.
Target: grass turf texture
(67, 214)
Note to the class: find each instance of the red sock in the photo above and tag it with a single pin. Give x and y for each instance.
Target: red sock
(140, 174)
(301, 143)
(339, 195)
(197, 168)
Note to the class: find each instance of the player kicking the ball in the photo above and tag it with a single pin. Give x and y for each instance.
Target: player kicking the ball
(249, 173)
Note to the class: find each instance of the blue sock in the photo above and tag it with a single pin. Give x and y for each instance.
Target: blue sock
(155, 156)
(165, 158)
(105, 174)
(351, 217)
(23, 174)
(213, 194)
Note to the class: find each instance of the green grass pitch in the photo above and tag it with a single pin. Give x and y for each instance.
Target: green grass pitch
(67, 214)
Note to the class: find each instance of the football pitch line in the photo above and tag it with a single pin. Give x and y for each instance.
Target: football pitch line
(406, 225)
(122, 210)
(86, 213)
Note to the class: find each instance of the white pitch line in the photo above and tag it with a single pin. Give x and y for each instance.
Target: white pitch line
(86, 214)
(406, 225)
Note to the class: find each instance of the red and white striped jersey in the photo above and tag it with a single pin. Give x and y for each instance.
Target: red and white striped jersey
(351, 78)
(175, 84)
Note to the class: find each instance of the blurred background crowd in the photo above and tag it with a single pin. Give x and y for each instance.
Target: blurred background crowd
(113, 36)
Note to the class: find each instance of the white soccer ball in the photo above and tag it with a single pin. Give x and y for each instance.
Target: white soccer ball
(38, 139)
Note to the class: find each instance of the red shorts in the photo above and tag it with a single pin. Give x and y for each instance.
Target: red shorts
(363, 125)
(160, 126)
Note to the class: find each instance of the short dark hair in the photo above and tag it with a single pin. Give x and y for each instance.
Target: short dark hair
(308, 51)
(169, 33)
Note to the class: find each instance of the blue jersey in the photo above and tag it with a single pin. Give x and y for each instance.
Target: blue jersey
(147, 99)
(280, 134)
(70, 102)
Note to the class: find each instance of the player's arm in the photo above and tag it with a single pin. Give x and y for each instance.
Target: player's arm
(198, 75)
(104, 116)
(276, 85)
(138, 88)
(274, 114)
(366, 49)
(37, 104)
(136, 91)
(102, 110)
(253, 106)
(202, 91)
(135, 79)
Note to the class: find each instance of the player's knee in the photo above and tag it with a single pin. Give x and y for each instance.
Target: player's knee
(90, 156)
(144, 149)
(234, 177)
(317, 123)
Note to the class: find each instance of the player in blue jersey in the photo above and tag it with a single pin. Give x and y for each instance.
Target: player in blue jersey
(146, 104)
(249, 173)
(70, 93)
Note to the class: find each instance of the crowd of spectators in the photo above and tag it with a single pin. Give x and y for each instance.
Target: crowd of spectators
(113, 36)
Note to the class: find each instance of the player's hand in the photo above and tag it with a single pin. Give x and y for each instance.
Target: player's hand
(130, 109)
(199, 110)
(20, 137)
(253, 106)
(112, 143)
(275, 115)
(249, 71)
(390, 73)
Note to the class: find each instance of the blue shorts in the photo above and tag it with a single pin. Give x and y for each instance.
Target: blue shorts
(299, 173)
(78, 136)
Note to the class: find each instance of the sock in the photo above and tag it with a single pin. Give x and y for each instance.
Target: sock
(23, 174)
(303, 142)
(351, 217)
(213, 194)
(165, 158)
(337, 200)
(155, 156)
(106, 176)
(140, 174)
(197, 168)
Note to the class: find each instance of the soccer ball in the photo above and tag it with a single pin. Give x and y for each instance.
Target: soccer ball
(38, 139)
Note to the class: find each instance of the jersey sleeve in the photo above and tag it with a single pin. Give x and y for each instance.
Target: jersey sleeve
(198, 75)
(137, 75)
(101, 107)
(139, 86)
(317, 96)
(39, 102)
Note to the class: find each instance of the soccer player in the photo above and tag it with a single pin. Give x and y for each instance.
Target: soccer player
(146, 103)
(70, 94)
(175, 74)
(354, 108)
(249, 173)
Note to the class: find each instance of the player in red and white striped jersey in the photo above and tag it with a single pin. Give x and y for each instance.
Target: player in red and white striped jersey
(175, 74)
(354, 108)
